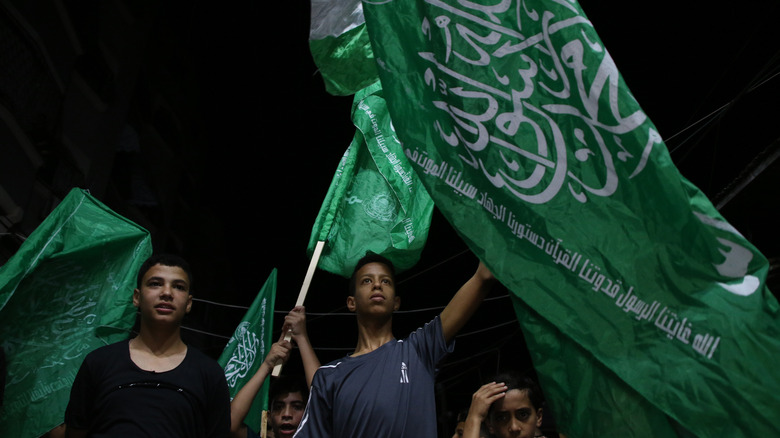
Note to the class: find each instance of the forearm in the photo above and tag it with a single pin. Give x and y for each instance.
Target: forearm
(309, 358)
(472, 427)
(465, 302)
(242, 402)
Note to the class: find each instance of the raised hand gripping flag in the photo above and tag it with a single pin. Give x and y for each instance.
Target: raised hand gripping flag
(524, 133)
(247, 348)
(375, 201)
(67, 291)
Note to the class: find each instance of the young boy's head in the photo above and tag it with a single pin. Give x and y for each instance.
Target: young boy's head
(163, 292)
(372, 288)
(287, 399)
(370, 257)
(519, 413)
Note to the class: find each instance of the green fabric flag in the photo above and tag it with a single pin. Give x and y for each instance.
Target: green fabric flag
(375, 201)
(529, 141)
(67, 291)
(247, 348)
(340, 46)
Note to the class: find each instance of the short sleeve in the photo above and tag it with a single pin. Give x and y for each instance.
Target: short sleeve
(317, 419)
(430, 344)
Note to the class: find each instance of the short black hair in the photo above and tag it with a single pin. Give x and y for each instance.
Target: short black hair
(286, 384)
(514, 380)
(165, 260)
(370, 257)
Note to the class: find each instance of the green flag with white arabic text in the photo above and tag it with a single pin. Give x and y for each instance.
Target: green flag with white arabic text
(247, 348)
(339, 45)
(67, 291)
(375, 201)
(529, 141)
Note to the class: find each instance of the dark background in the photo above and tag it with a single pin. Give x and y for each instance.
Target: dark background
(208, 124)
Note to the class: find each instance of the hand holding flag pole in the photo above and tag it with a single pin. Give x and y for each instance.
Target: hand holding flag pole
(302, 294)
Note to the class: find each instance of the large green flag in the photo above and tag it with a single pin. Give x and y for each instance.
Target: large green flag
(375, 201)
(532, 146)
(340, 46)
(247, 348)
(67, 291)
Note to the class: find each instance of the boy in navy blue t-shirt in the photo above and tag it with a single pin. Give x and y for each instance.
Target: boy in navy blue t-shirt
(385, 388)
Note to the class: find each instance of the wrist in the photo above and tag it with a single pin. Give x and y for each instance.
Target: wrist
(268, 364)
(473, 423)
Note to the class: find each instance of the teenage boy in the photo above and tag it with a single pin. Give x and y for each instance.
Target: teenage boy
(385, 388)
(153, 384)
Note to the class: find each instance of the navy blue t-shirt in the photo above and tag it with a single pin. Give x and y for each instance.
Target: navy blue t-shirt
(388, 392)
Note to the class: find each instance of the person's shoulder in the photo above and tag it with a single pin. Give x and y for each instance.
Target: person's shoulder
(333, 367)
(202, 361)
(335, 363)
(432, 325)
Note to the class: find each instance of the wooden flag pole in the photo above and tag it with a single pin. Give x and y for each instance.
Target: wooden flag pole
(315, 258)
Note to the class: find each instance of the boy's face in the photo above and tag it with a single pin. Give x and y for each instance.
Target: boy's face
(164, 295)
(514, 416)
(374, 290)
(286, 413)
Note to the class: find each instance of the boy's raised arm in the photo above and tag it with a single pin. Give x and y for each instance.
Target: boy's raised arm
(465, 302)
(239, 407)
(295, 323)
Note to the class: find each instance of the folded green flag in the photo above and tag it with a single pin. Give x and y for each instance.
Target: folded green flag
(529, 141)
(247, 348)
(339, 45)
(67, 291)
(375, 201)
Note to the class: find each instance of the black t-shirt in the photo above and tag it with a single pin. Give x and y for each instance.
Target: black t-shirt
(112, 397)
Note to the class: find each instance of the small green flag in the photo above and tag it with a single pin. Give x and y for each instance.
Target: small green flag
(340, 47)
(375, 201)
(247, 348)
(529, 141)
(67, 291)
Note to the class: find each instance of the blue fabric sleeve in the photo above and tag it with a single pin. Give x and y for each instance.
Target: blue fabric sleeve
(317, 418)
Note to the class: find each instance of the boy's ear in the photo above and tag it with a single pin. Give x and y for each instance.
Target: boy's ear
(539, 417)
(351, 303)
(136, 297)
(397, 304)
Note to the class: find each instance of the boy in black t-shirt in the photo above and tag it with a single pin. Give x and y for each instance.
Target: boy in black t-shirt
(153, 384)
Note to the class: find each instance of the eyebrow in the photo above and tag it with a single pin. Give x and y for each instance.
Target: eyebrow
(174, 281)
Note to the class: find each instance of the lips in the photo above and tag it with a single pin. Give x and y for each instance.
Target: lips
(287, 429)
(377, 297)
(165, 308)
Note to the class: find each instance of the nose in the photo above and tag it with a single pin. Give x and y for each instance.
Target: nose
(287, 412)
(515, 425)
(166, 292)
